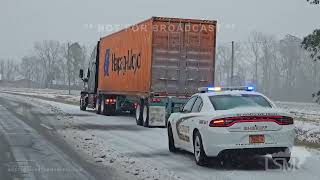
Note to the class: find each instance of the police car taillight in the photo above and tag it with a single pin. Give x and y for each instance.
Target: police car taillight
(229, 121)
(220, 122)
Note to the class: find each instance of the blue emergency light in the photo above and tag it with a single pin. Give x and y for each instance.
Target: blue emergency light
(218, 89)
(250, 88)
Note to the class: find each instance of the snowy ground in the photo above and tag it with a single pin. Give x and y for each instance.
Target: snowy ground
(143, 153)
(307, 120)
(304, 111)
(307, 115)
(61, 95)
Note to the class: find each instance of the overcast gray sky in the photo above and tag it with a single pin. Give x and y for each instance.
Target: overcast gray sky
(24, 21)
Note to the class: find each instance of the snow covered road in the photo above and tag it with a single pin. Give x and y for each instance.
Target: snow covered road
(142, 152)
(31, 148)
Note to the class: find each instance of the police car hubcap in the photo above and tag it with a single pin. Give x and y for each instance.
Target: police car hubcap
(197, 148)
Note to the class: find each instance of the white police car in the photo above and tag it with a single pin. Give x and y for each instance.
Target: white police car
(228, 122)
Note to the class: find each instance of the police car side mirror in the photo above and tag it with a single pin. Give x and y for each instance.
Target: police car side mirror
(181, 109)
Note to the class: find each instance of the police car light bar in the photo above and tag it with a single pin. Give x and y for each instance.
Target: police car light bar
(214, 89)
(217, 89)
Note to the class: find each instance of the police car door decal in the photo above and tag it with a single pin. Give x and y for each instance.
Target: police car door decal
(182, 129)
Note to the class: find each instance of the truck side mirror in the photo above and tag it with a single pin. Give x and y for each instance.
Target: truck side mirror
(81, 73)
(88, 74)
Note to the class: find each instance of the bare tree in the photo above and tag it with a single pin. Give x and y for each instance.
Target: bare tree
(1, 69)
(291, 53)
(26, 67)
(242, 65)
(49, 52)
(282, 69)
(254, 44)
(223, 65)
(74, 58)
(10, 72)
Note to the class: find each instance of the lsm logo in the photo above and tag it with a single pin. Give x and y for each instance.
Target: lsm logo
(122, 64)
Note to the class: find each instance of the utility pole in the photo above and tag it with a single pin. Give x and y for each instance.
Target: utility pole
(256, 72)
(232, 62)
(68, 64)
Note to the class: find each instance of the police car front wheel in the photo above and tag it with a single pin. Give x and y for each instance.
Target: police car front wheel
(172, 147)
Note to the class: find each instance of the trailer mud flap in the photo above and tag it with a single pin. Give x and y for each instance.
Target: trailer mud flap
(157, 116)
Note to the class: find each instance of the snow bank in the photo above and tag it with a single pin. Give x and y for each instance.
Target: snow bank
(302, 111)
(307, 120)
(308, 131)
(55, 94)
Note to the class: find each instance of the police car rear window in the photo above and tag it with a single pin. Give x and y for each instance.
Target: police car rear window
(226, 102)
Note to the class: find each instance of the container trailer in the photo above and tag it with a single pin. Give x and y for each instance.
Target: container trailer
(150, 69)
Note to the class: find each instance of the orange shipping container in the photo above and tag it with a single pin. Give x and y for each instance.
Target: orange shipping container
(159, 55)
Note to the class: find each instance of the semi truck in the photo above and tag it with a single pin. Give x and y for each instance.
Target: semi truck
(150, 69)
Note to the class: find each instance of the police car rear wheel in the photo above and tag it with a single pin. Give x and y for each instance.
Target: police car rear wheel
(199, 154)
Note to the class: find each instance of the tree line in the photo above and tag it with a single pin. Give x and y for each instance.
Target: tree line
(52, 64)
(280, 68)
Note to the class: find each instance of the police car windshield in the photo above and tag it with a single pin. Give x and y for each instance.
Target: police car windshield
(226, 102)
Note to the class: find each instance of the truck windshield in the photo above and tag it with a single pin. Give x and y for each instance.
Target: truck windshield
(226, 102)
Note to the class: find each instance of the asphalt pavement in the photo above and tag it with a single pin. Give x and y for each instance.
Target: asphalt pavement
(31, 149)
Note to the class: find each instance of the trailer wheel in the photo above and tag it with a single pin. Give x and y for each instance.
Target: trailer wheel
(103, 106)
(139, 113)
(98, 105)
(83, 104)
(145, 116)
